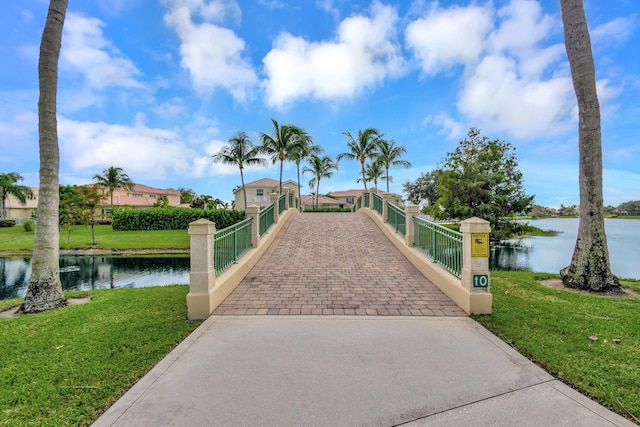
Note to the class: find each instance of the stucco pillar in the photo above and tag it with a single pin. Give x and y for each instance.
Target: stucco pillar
(274, 200)
(386, 197)
(372, 191)
(409, 212)
(253, 211)
(286, 200)
(475, 263)
(202, 277)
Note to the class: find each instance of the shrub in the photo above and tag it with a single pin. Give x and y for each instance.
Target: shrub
(28, 226)
(7, 223)
(171, 218)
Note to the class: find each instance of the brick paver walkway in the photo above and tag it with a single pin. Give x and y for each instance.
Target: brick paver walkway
(335, 264)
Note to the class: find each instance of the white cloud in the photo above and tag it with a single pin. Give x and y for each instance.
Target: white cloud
(87, 52)
(617, 31)
(364, 53)
(212, 54)
(449, 37)
(450, 127)
(522, 27)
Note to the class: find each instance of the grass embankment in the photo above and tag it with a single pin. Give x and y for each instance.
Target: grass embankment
(16, 239)
(527, 231)
(65, 367)
(553, 328)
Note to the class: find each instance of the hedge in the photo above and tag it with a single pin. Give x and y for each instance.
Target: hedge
(171, 218)
(7, 223)
(328, 209)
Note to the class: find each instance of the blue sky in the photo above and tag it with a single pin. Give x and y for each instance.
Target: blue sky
(157, 86)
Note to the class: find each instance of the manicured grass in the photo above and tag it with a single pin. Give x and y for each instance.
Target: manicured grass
(15, 238)
(552, 327)
(65, 367)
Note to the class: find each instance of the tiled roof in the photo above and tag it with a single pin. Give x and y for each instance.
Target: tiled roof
(266, 183)
(322, 200)
(356, 193)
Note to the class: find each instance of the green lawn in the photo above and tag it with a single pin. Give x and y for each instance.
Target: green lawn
(15, 238)
(552, 327)
(65, 367)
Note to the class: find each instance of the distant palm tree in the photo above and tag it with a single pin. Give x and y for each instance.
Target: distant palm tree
(284, 140)
(373, 172)
(363, 148)
(320, 168)
(240, 152)
(112, 178)
(302, 152)
(389, 155)
(8, 187)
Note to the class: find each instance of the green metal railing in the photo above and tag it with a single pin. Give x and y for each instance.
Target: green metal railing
(377, 204)
(266, 219)
(396, 217)
(231, 243)
(359, 203)
(291, 200)
(439, 243)
(282, 203)
(366, 200)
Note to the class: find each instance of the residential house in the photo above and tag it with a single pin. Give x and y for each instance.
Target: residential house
(141, 196)
(348, 197)
(19, 212)
(258, 192)
(323, 202)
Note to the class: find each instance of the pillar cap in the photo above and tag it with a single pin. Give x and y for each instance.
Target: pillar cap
(475, 225)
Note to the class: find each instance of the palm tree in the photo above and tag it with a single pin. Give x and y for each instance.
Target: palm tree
(389, 155)
(8, 187)
(112, 178)
(590, 268)
(320, 168)
(240, 152)
(361, 149)
(284, 140)
(45, 288)
(301, 152)
(373, 172)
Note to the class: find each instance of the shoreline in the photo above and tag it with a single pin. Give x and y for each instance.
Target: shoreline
(100, 251)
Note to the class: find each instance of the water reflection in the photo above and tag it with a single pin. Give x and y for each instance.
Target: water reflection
(83, 272)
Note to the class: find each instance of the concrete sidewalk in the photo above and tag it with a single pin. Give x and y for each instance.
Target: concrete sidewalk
(350, 371)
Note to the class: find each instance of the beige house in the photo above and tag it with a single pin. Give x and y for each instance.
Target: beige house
(19, 212)
(323, 202)
(141, 196)
(258, 192)
(348, 197)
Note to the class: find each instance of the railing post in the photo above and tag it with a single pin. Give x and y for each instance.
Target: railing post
(386, 197)
(254, 212)
(202, 277)
(286, 200)
(409, 212)
(274, 200)
(372, 191)
(475, 262)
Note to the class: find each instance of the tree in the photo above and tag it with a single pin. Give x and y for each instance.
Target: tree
(283, 141)
(8, 187)
(70, 209)
(389, 155)
(361, 149)
(112, 178)
(45, 288)
(320, 168)
(373, 172)
(186, 195)
(629, 208)
(481, 178)
(590, 268)
(302, 152)
(425, 187)
(90, 200)
(240, 152)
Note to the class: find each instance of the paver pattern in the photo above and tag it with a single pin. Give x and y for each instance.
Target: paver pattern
(335, 264)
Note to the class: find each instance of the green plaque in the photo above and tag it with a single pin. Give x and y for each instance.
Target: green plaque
(480, 280)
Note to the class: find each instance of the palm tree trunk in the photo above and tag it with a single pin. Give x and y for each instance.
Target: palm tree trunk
(281, 165)
(589, 268)
(318, 193)
(299, 191)
(364, 179)
(387, 173)
(244, 192)
(45, 288)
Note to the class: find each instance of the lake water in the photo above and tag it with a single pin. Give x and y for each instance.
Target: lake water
(84, 272)
(551, 254)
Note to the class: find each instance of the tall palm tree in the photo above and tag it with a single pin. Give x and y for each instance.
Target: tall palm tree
(301, 152)
(112, 178)
(320, 168)
(45, 288)
(240, 152)
(284, 140)
(590, 268)
(389, 154)
(373, 172)
(8, 187)
(363, 148)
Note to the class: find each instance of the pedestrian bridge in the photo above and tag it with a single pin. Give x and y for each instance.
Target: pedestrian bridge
(381, 260)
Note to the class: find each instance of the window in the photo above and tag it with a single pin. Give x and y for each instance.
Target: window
(259, 192)
(350, 200)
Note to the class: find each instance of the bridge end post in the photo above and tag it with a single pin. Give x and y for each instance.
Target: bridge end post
(386, 197)
(372, 191)
(409, 212)
(286, 200)
(202, 277)
(274, 199)
(253, 211)
(475, 264)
